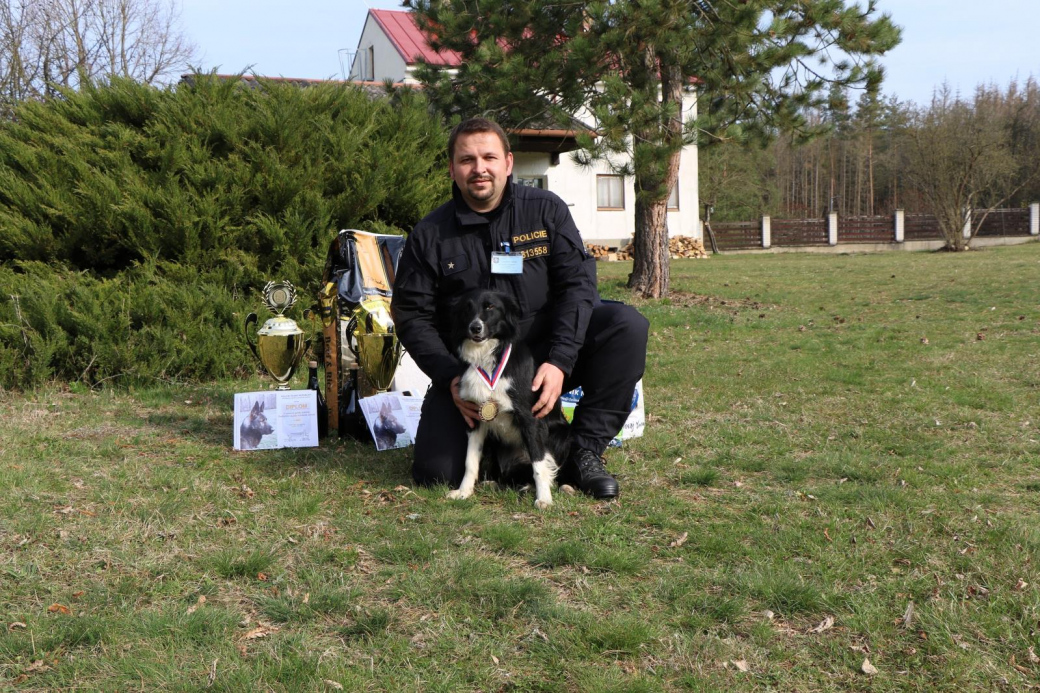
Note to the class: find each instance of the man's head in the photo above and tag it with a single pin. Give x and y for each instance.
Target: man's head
(480, 162)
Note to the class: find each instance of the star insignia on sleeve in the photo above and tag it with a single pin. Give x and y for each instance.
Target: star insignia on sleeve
(451, 265)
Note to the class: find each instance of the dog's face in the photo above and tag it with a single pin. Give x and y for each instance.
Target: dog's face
(482, 314)
(257, 420)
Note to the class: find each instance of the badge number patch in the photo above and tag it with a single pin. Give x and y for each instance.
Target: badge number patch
(539, 250)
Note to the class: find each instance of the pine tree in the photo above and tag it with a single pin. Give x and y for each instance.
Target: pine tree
(627, 65)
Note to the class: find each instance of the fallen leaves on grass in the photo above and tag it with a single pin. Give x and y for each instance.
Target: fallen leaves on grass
(19, 624)
(194, 607)
(825, 624)
(908, 616)
(680, 541)
(58, 608)
(261, 631)
(335, 685)
(868, 668)
(539, 634)
(34, 668)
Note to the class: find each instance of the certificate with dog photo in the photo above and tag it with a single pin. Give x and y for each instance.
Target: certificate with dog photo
(272, 420)
(393, 418)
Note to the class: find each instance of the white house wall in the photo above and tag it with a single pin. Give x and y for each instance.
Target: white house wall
(388, 61)
(575, 184)
(577, 187)
(687, 220)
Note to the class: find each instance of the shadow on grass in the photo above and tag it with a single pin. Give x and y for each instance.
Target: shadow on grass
(389, 468)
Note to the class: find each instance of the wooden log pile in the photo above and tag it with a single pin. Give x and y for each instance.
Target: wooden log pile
(684, 246)
(678, 247)
(606, 253)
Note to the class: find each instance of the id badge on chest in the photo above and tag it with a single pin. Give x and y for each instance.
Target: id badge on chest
(506, 262)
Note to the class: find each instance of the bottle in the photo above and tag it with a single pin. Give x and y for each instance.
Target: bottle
(323, 408)
(351, 418)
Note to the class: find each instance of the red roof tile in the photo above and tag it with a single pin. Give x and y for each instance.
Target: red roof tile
(410, 41)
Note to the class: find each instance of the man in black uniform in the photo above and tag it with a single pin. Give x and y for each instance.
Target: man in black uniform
(575, 337)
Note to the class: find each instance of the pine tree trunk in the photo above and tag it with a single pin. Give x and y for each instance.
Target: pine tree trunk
(870, 170)
(650, 261)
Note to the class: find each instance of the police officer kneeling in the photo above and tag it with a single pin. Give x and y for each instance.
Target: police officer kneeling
(576, 338)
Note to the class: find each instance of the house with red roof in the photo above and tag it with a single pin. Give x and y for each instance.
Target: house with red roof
(602, 203)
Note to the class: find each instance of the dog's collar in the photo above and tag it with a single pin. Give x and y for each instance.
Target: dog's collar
(492, 379)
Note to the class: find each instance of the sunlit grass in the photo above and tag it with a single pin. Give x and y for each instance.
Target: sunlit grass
(844, 436)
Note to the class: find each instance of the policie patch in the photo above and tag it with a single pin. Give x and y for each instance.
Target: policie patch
(530, 237)
(532, 243)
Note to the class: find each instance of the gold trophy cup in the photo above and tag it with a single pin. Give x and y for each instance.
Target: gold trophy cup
(279, 343)
(374, 343)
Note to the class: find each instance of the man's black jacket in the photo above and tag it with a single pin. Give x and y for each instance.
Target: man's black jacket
(449, 253)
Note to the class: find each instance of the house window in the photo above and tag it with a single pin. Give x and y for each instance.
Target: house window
(610, 192)
(370, 66)
(532, 181)
(673, 197)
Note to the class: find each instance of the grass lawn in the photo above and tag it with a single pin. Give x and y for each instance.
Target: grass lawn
(840, 465)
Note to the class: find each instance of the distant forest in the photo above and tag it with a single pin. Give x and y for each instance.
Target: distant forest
(879, 154)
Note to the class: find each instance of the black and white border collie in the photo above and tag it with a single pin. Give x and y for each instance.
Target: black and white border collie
(485, 327)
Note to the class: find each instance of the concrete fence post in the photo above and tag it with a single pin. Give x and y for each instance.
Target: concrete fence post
(967, 224)
(767, 232)
(832, 228)
(1034, 219)
(900, 226)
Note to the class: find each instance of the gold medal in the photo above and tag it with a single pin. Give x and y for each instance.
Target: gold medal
(488, 410)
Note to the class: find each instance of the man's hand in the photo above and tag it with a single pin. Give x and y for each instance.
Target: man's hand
(548, 379)
(470, 411)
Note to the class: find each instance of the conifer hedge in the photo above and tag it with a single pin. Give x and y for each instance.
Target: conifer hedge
(137, 224)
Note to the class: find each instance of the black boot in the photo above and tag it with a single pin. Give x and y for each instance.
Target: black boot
(585, 470)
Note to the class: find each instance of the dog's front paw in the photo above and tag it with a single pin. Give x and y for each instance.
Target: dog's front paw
(543, 503)
(459, 494)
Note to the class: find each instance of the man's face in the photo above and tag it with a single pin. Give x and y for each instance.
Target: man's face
(480, 168)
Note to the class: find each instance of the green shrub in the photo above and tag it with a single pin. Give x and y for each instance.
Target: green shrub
(142, 323)
(137, 224)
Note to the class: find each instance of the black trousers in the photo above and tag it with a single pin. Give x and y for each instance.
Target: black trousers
(610, 363)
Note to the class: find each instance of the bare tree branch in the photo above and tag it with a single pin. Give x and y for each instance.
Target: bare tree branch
(48, 45)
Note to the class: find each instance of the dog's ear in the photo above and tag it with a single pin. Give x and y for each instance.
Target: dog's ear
(510, 317)
(256, 408)
(459, 319)
(511, 306)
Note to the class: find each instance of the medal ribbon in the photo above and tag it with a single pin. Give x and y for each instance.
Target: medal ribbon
(492, 380)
